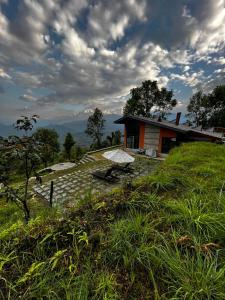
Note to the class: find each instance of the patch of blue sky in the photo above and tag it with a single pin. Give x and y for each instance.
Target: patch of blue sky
(11, 8)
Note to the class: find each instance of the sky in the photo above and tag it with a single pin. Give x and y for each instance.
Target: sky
(62, 58)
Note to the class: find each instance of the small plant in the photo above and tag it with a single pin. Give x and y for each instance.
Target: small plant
(106, 286)
(26, 150)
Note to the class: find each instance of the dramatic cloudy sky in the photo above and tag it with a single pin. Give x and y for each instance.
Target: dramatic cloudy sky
(59, 58)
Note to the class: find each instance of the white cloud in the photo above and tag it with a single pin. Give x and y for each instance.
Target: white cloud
(4, 75)
(74, 46)
(88, 53)
(28, 98)
(192, 80)
(107, 53)
(218, 71)
(186, 68)
(108, 20)
(117, 29)
(219, 60)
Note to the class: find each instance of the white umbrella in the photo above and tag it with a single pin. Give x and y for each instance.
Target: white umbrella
(118, 156)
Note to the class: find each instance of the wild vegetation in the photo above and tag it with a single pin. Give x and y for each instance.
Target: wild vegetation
(27, 151)
(161, 237)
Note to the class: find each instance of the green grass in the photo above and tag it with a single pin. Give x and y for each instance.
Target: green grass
(163, 237)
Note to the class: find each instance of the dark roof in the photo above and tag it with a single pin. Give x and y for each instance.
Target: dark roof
(169, 125)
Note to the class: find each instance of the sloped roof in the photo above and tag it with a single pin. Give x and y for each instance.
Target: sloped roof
(169, 125)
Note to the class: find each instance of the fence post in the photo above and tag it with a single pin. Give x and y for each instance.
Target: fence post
(51, 193)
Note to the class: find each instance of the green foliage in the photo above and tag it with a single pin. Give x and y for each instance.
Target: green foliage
(106, 286)
(217, 105)
(68, 144)
(114, 139)
(50, 145)
(161, 237)
(208, 110)
(148, 96)
(198, 109)
(95, 127)
(26, 150)
(77, 152)
(191, 275)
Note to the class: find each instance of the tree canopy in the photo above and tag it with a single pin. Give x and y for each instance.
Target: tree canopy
(198, 109)
(95, 127)
(68, 144)
(149, 99)
(208, 110)
(49, 139)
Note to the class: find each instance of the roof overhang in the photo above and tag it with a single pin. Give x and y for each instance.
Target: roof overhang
(150, 122)
(167, 125)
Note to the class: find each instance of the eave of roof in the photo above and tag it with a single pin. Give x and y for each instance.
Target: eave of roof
(163, 124)
(168, 125)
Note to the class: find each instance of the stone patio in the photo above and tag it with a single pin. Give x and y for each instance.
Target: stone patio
(75, 185)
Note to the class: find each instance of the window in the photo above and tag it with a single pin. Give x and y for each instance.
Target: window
(132, 130)
(168, 143)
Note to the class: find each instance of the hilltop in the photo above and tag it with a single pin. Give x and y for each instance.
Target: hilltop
(161, 237)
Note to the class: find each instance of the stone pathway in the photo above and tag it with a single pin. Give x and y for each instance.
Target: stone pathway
(71, 187)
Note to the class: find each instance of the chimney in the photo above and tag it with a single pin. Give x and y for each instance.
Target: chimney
(178, 118)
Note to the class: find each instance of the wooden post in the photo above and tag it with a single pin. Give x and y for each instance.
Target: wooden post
(51, 193)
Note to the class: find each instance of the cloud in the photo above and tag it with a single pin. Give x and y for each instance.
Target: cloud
(28, 80)
(193, 80)
(4, 75)
(28, 98)
(199, 25)
(74, 46)
(108, 20)
(219, 60)
(186, 68)
(2, 91)
(91, 53)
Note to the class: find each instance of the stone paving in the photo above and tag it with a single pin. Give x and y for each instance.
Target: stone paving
(74, 186)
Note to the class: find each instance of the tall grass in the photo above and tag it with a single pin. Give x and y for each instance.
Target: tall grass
(163, 237)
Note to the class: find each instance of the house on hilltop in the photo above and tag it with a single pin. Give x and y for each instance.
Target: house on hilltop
(162, 135)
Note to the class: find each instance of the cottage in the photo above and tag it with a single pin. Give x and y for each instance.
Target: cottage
(161, 135)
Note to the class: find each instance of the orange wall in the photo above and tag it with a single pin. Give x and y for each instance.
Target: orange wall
(141, 135)
(165, 133)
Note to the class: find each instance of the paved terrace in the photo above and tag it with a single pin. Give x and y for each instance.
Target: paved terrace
(78, 182)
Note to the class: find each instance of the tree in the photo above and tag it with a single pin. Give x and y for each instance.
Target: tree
(149, 99)
(68, 144)
(95, 126)
(114, 138)
(198, 109)
(78, 152)
(111, 139)
(27, 151)
(217, 107)
(208, 110)
(118, 137)
(50, 145)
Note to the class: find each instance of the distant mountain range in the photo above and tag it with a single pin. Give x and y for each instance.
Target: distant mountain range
(76, 128)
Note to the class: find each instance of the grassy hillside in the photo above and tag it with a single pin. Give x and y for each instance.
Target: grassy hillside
(162, 237)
